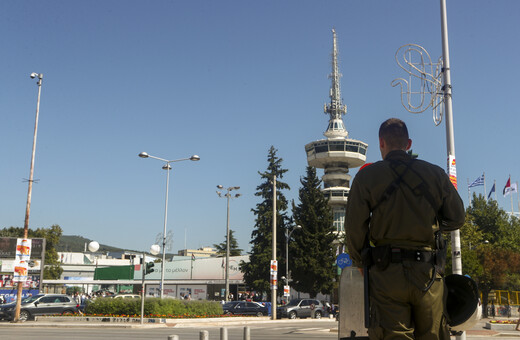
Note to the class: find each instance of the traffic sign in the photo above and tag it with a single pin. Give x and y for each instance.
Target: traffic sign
(343, 260)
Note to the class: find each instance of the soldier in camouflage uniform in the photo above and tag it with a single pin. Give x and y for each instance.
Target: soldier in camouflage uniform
(394, 212)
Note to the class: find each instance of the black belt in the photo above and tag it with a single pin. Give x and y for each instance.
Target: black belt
(399, 255)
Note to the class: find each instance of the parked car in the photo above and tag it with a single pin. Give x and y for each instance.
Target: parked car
(244, 308)
(301, 308)
(126, 296)
(41, 304)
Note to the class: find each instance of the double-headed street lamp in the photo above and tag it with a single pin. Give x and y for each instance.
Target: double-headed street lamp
(166, 167)
(287, 238)
(228, 196)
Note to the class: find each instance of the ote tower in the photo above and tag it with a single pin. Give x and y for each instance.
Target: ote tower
(336, 154)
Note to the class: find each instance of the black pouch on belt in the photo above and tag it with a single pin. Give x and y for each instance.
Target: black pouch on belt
(441, 253)
(381, 256)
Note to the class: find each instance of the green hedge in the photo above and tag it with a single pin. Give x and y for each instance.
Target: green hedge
(154, 307)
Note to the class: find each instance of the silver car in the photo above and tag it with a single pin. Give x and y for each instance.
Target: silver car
(41, 304)
(301, 308)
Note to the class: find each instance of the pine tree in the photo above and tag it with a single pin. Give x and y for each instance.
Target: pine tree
(257, 270)
(311, 253)
(233, 246)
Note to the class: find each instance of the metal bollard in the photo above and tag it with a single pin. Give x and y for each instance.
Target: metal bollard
(223, 333)
(204, 335)
(173, 337)
(247, 333)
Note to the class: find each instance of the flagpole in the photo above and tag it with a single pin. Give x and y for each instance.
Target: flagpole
(485, 196)
(469, 193)
(509, 181)
(517, 198)
(495, 185)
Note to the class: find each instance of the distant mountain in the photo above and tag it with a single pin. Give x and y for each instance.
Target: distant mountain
(74, 243)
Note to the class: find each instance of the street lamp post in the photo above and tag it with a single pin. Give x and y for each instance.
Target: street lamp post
(166, 167)
(29, 191)
(228, 196)
(287, 238)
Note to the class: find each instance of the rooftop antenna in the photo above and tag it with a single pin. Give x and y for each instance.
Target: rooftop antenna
(335, 109)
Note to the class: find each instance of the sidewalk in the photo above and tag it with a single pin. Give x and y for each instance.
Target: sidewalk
(485, 329)
(71, 321)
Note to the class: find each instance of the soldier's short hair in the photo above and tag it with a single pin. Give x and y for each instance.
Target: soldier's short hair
(395, 133)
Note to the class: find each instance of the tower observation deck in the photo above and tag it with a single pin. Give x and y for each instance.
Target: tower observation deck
(336, 154)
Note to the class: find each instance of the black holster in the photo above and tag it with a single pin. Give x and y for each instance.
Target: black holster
(441, 253)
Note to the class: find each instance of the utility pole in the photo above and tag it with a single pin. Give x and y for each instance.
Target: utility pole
(29, 194)
(274, 276)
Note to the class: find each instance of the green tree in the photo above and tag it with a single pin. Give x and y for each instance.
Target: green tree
(52, 269)
(233, 246)
(312, 254)
(257, 270)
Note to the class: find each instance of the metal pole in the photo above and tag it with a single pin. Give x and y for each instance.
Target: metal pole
(223, 333)
(247, 333)
(143, 264)
(287, 257)
(274, 288)
(204, 335)
(227, 248)
(29, 196)
(163, 264)
(450, 139)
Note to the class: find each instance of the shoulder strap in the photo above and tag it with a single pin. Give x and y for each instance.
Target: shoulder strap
(409, 177)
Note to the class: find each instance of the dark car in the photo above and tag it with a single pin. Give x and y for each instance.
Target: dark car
(41, 304)
(301, 308)
(244, 308)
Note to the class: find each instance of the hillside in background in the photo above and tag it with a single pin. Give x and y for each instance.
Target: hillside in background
(74, 243)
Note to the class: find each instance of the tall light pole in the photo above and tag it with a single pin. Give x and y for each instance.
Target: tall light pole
(228, 196)
(287, 238)
(274, 281)
(166, 167)
(29, 191)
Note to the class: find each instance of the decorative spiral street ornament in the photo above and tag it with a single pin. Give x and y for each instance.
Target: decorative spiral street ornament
(416, 61)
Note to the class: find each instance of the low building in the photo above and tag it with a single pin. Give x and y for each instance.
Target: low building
(201, 252)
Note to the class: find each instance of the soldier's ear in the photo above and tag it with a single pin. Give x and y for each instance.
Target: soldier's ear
(409, 144)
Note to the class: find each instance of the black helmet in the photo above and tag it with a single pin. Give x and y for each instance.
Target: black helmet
(463, 302)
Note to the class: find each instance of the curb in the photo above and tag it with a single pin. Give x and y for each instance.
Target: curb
(113, 322)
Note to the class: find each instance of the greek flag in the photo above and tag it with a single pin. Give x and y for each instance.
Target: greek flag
(477, 182)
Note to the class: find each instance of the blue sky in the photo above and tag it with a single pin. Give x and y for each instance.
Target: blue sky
(226, 80)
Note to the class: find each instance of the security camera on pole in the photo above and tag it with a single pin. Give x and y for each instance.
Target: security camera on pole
(29, 192)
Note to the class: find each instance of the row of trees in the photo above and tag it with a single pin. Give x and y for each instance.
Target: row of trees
(490, 245)
(490, 239)
(312, 255)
